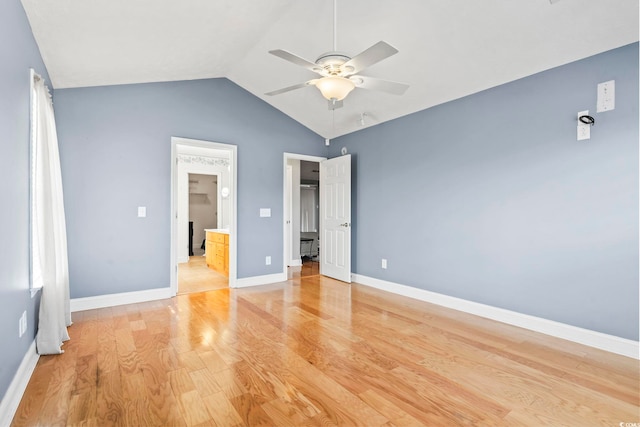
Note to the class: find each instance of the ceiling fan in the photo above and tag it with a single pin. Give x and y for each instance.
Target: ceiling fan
(339, 71)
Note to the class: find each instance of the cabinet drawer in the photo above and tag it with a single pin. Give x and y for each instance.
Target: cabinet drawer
(218, 250)
(218, 263)
(215, 237)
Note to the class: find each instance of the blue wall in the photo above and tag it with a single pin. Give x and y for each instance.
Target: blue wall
(115, 150)
(18, 53)
(490, 198)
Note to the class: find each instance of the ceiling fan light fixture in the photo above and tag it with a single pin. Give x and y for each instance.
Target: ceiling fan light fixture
(334, 87)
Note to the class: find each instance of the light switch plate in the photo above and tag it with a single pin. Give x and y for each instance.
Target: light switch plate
(142, 211)
(606, 96)
(265, 212)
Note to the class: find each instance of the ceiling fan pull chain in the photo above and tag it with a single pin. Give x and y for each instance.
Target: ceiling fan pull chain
(333, 124)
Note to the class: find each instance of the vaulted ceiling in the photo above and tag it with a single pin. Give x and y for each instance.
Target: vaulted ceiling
(447, 48)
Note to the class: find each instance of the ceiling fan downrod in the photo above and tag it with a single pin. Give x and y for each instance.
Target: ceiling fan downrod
(335, 26)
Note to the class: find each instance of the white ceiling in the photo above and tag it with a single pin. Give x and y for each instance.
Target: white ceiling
(448, 48)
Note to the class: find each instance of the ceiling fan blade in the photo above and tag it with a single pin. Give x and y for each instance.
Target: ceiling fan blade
(290, 88)
(372, 83)
(373, 55)
(288, 56)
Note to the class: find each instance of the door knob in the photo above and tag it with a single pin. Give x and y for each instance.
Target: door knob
(346, 224)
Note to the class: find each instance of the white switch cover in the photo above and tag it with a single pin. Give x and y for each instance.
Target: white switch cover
(584, 129)
(384, 263)
(267, 260)
(142, 211)
(606, 96)
(265, 212)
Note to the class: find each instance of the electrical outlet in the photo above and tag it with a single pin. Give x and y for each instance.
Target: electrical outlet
(584, 129)
(384, 263)
(267, 260)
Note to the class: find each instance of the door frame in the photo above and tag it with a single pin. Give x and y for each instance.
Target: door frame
(203, 146)
(288, 213)
(286, 197)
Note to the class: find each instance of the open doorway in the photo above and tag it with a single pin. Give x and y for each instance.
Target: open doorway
(198, 275)
(203, 209)
(309, 218)
(302, 215)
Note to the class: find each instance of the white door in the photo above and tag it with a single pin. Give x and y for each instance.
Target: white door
(335, 219)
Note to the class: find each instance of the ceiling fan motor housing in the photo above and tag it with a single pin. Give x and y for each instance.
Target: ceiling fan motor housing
(331, 64)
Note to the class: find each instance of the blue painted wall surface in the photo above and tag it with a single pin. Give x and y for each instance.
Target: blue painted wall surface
(18, 53)
(115, 149)
(490, 197)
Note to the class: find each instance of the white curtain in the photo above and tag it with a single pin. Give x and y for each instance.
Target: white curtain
(49, 234)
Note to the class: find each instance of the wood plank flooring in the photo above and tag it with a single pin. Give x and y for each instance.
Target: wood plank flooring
(308, 268)
(314, 351)
(195, 276)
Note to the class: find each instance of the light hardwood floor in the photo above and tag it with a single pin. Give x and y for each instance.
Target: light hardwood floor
(308, 268)
(195, 276)
(314, 351)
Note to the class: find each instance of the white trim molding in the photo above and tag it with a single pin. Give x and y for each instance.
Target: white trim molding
(11, 401)
(112, 300)
(295, 263)
(610, 343)
(267, 279)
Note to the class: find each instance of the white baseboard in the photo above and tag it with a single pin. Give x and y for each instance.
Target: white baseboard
(11, 401)
(182, 260)
(295, 263)
(260, 280)
(112, 300)
(587, 337)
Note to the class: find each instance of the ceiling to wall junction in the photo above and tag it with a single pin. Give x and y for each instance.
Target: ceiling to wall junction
(448, 49)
